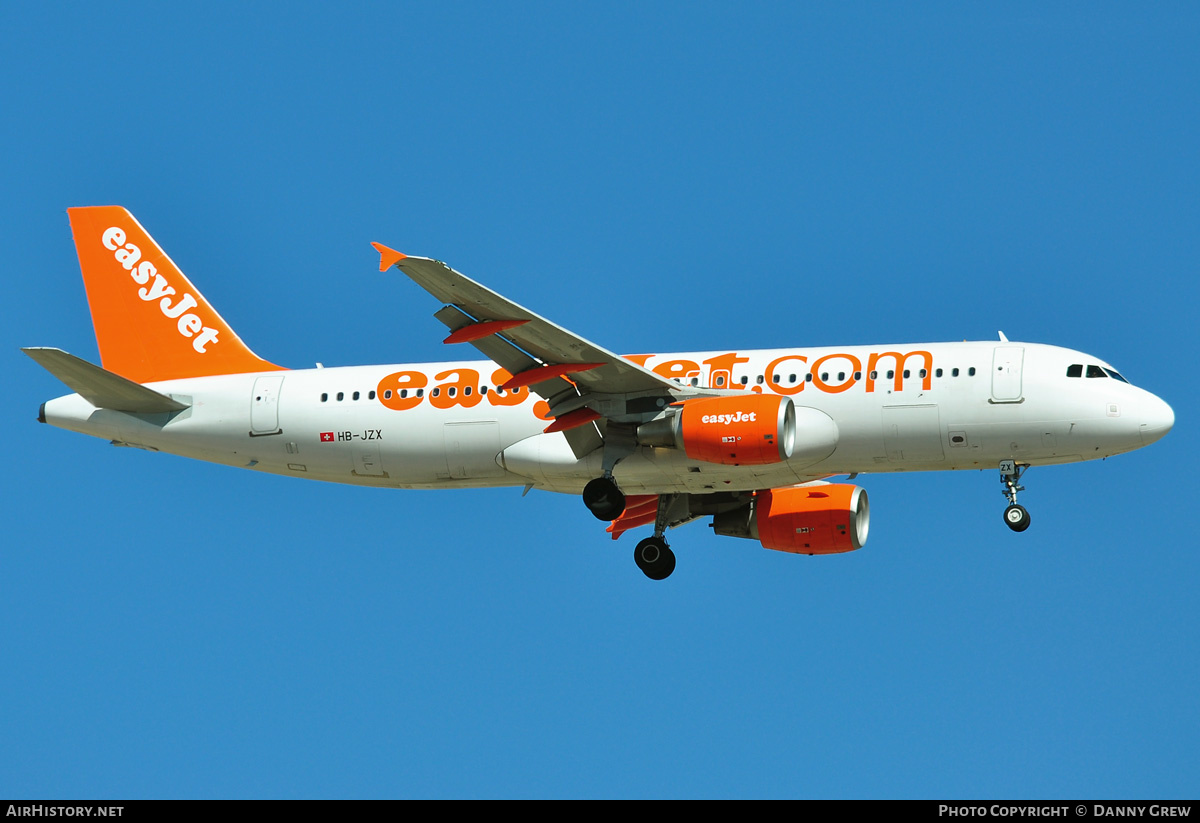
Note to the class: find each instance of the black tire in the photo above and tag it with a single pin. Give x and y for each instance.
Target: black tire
(1016, 518)
(655, 558)
(603, 499)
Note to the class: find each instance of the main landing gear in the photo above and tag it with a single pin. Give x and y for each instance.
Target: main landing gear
(603, 498)
(652, 555)
(655, 558)
(1015, 517)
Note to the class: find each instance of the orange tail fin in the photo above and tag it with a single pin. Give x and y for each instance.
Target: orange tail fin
(151, 323)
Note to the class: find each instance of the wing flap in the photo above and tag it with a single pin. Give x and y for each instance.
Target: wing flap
(584, 439)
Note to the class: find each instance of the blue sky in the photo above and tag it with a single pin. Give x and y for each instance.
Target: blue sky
(662, 177)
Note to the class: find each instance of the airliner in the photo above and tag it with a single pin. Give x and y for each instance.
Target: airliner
(751, 439)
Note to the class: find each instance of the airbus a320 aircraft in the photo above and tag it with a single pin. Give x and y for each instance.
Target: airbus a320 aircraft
(748, 438)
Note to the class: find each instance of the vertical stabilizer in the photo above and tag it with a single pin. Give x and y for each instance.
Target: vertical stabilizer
(151, 323)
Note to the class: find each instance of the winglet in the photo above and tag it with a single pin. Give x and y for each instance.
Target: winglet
(387, 257)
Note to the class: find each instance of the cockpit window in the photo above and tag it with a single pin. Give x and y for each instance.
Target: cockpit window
(1096, 371)
(1115, 375)
(1075, 370)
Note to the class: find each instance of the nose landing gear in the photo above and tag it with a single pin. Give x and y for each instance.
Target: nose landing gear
(1015, 517)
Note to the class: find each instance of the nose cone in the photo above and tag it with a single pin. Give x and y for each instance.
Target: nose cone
(1157, 420)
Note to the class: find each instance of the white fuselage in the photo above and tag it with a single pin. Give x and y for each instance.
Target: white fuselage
(960, 406)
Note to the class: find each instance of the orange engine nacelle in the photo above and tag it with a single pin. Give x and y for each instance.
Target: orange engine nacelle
(743, 430)
(813, 519)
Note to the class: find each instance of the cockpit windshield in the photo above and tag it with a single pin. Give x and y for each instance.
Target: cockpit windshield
(1077, 370)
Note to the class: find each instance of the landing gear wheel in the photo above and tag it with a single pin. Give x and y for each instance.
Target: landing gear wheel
(1017, 518)
(655, 558)
(604, 499)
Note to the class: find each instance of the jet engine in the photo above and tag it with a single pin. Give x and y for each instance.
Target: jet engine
(820, 519)
(745, 430)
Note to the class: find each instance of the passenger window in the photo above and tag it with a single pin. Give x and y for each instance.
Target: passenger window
(1096, 371)
(354, 396)
(1075, 370)
(923, 373)
(759, 379)
(971, 372)
(954, 372)
(436, 392)
(324, 396)
(937, 373)
(841, 376)
(791, 378)
(483, 389)
(340, 395)
(874, 374)
(387, 395)
(808, 377)
(891, 374)
(745, 379)
(420, 392)
(858, 375)
(371, 394)
(403, 393)
(824, 377)
(906, 374)
(720, 380)
(467, 391)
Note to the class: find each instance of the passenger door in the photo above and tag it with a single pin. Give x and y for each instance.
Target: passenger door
(1006, 374)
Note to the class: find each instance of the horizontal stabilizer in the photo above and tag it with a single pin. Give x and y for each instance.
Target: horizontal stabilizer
(103, 389)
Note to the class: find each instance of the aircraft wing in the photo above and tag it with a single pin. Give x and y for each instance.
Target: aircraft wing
(519, 340)
(582, 382)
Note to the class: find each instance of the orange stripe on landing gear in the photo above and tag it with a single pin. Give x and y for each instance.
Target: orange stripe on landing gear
(572, 420)
(478, 331)
(619, 527)
(536, 375)
(387, 257)
(640, 509)
(633, 510)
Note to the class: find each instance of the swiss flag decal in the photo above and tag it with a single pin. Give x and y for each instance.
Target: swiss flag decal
(326, 437)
